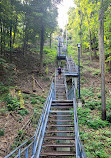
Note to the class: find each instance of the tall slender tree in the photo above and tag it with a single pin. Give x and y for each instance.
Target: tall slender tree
(103, 99)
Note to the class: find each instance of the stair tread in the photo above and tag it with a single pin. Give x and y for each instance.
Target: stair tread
(58, 153)
(62, 101)
(60, 131)
(61, 107)
(61, 115)
(60, 137)
(60, 126)
(59, 145)
(58, 111)
(62, 104)
(58, 120)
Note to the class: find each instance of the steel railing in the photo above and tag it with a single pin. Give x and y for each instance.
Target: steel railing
(32, 147)
(80, 153)
(71, 67)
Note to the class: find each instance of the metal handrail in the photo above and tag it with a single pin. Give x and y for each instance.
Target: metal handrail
(65, 83)
(80, 153)
(37, 139)
(71, 65)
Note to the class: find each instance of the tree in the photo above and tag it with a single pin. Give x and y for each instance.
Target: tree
(102, 61)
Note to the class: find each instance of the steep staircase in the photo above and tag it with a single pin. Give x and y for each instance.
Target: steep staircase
(59, 139)
(57, 132)
(59, 135)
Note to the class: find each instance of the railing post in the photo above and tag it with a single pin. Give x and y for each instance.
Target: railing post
(19, 152)
(26, 153)
(34, 146)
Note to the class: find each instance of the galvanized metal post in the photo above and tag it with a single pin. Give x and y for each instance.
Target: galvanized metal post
(79, 67)
(19, 152)
(34, 146)
(26, 153)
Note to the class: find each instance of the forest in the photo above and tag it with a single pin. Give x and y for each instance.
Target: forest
(28, 57)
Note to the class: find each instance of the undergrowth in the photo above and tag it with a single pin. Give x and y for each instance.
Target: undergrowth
(95, 133)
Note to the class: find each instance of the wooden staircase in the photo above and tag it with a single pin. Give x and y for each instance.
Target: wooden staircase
(59, 139)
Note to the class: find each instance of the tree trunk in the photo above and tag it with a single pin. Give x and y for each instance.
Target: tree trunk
(95, 53)
(25, 36)
(4, 34)
(15, 29)
(41, 47)
(80, 31)
(50, 39)
(89, 37)
(1, 39)
(90, 44)
(103, 99)
(11, 43)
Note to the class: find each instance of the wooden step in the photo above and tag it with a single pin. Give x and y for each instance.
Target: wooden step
(61, 107)
(58, 111)
(60, 126)
(60, 137)
(62, 101)
(58, 153)
(61, 131)
(62, 104)
(59, 145)
(58, 120)
(60, 115)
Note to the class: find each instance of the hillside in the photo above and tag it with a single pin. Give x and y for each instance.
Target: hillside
(19, 123)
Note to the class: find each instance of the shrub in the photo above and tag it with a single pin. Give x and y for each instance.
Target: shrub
(12, 103)
(1, 132)
(92, 104)
(87, 92)
(23, 112)
(97, 123)
(101, 154)
(3, 111)
(84, 118)
(108, 116)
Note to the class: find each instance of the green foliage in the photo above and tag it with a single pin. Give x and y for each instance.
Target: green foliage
(83, 22)
(12, 103)
(97, 123)
(1, 132)
(95, 142)
(92, 103)
(3, 111)
(3, 89)
(50, 56)
(85, 118)
(95, 72)
(87, 92)
(101, 154)
(19, 138)
(15, 15)
(108, 116)
(23, 112)
(34, 101)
